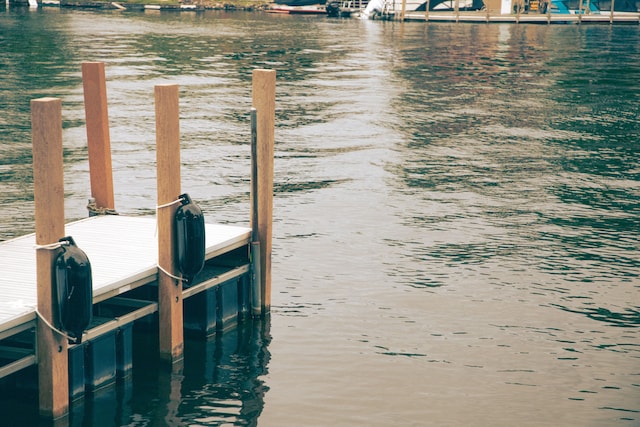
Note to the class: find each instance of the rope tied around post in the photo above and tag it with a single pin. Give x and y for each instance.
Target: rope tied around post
(161, 268)
(71, 339)
(51, 247)
(182, 279)
(166, 205)
(94, 210)
(188, 239)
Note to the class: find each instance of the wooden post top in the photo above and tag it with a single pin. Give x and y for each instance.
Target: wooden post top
(98, 137)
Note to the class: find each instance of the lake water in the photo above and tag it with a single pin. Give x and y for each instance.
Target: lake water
(457, 211)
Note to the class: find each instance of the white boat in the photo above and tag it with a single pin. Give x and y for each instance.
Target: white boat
(290, 7)
(387, 9)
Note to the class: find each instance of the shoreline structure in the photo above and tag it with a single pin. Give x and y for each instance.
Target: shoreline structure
(486, 16)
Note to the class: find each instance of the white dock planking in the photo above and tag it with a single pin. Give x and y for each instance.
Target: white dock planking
(123, 252)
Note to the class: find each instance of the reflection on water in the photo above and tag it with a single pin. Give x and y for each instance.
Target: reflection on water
(219, 382)
(456, 211)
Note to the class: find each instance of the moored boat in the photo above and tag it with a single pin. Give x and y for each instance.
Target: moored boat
(387, 9)
(306, 7)
(487, 10)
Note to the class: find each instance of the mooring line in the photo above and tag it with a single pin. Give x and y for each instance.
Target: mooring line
(166, 205)
(52, 246)
(53, 328)
(158, 207)
(171, 275)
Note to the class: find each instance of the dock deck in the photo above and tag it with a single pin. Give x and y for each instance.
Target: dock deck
(123, 252)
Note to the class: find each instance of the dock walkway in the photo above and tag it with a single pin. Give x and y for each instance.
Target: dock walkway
(123, 252)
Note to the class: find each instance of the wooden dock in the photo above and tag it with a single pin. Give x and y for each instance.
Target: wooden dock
(604, 17)
(123, 252)
(173, 271)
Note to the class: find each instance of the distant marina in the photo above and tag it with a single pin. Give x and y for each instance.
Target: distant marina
(472, 11)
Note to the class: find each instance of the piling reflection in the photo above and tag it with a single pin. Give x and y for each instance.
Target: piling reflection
(219, 382)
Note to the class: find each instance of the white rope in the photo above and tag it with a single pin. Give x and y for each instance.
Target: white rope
(171, 275)
(158, 207)
(166, 205)
(52, 246)
(53, 328)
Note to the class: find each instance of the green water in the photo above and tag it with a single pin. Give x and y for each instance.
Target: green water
(456, 211)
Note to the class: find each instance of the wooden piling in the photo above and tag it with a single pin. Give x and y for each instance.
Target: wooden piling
(170, 305)
(98, 139)
(264, 101)
(53, 377)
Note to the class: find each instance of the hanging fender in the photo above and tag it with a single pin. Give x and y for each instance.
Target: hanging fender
(73, 291)
(189, 238)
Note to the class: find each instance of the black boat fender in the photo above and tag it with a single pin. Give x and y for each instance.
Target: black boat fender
(73, 290)
(189, 239)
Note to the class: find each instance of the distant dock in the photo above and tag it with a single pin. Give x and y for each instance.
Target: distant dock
(604, 17)
(140, 269)
(355, 7)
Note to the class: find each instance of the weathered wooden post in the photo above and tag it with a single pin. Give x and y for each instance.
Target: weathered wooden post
(403, 10)
(98, 139)
(170, 305)
(264, 101)
(46, 128)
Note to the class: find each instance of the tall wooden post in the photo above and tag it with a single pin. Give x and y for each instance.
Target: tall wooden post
(168, 169)
(264, 101)
(98, 139)
(46, 128)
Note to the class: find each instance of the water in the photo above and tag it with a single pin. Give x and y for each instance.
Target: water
(456, 211)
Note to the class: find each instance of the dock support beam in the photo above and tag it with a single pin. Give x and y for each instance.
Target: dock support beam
(98, 139)
(264, 101)
(48, 179)
(170, 304)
